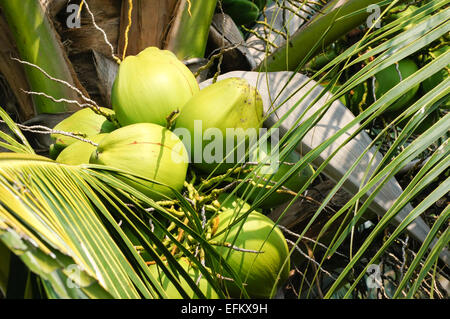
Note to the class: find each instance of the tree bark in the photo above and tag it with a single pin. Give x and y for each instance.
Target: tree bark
(38, 43)
(14, 76)
(150, 21)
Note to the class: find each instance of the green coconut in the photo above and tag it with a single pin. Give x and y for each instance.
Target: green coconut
(217, 118)
(263, 259)
(150, 86)
(389, 77)
(272, 174)
(232, 202)
(402, 11)
(436, 79)
(322, 59)
(54, 151)
(260, 3)
(241, 11)
(85, 122)
(79, 152)
(148, 150)
(355, 97)
(171, 290)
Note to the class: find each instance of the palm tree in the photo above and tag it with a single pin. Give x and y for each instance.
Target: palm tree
(83, 232)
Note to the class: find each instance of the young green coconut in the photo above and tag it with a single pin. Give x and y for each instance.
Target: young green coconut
(354, 98)
(79, 152)
(172, 291)
(148, 150)
(260, 3)
(403, 11)
(85, 122)
(217, 119)
(232, 202)
(434, 80)
(150, 86)
(241, 11)
(254, 248)
(266, 174)
(389, 77)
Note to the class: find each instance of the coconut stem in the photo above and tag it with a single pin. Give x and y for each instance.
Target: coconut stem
(188, 34)
(127, 30)
(89, 102)
(216, 56)
(40, 45)
(170, 119)
(40, 129)
(105, 37)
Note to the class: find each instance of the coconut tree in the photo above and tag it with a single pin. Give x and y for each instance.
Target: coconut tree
(92, 231)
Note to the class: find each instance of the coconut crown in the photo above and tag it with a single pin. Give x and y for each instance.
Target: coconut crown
(150, 86)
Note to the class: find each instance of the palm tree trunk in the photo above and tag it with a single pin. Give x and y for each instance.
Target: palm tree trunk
(41, 46)
(190, 28)
(15, 79)
(150, 20)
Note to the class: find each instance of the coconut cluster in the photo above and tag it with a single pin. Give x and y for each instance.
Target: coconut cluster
(154, 96)
(366, 93)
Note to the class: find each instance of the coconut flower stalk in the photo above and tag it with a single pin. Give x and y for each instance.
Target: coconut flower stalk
(188, 36)
(40, 46)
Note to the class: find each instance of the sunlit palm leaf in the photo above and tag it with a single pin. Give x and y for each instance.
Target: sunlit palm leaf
(44, 206)
(11, 143)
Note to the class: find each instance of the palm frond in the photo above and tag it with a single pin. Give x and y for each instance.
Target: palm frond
(46, 212)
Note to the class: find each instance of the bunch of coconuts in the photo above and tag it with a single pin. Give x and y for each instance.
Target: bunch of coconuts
(151, 90)
(364, 94)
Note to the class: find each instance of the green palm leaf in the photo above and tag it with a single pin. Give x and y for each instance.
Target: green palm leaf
(45, 209)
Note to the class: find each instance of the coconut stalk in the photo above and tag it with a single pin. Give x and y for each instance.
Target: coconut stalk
(335, 20)
(189, 31)
(41, 46)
